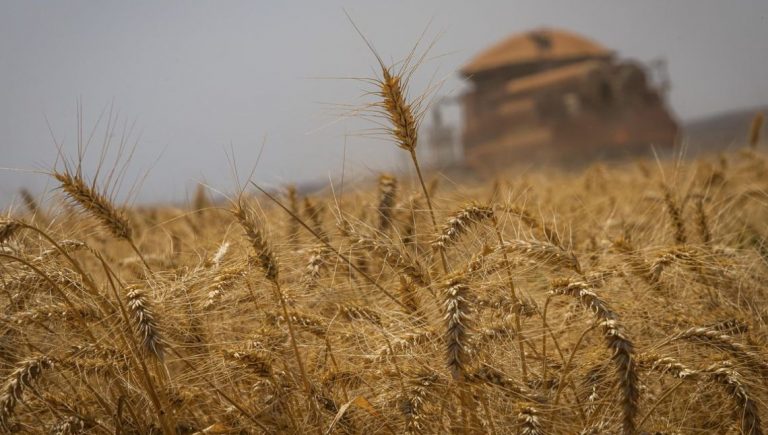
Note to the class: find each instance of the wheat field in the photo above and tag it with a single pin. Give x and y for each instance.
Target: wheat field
(627, 298)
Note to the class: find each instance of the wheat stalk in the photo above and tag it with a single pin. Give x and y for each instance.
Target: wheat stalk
(65, 246)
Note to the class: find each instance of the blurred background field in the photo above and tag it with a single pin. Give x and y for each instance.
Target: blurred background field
(562, 233)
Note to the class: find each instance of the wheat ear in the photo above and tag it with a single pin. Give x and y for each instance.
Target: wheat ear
(253, 233)
(313, 212)
(528, 421)
(99, 206)
(457, 321)
(8, 229)
(144, 322)
(675, 215)
(702, 221)
(293, 203)
(460, 223)
(201, 201)
(19, 380)
(387, 197)
(404, 124)
(315, 264)
(30, 202)
(408, 295)
(414, 401)
(96, 204)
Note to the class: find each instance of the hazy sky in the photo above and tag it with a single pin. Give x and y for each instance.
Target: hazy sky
(204, 79)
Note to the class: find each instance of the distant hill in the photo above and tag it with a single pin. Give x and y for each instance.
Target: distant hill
(721, 131)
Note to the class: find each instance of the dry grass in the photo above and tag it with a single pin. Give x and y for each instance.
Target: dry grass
(616, 300)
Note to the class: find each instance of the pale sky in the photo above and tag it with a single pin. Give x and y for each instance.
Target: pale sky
(202, 80)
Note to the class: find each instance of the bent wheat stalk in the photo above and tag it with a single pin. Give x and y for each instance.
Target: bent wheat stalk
(622, 349)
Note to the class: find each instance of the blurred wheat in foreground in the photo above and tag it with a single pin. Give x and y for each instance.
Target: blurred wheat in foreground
(617, 300)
